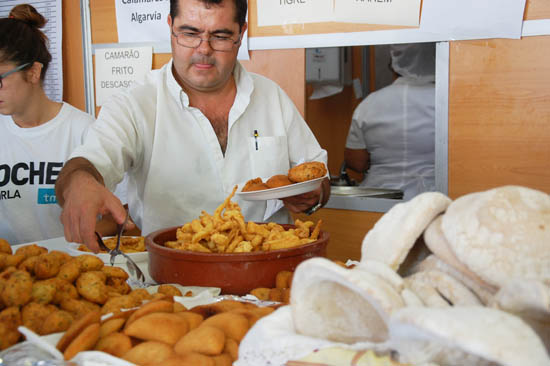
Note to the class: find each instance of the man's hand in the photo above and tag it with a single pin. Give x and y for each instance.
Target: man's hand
(84, 199)
(304, 201)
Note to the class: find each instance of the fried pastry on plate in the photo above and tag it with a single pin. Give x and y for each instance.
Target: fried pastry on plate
(307, 171)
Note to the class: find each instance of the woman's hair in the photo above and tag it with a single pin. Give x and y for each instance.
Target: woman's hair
(240, 6)
(21, 39)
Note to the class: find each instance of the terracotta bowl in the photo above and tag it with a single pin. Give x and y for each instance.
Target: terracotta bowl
(235, 274)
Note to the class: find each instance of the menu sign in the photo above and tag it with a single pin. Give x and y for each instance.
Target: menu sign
(385, 12)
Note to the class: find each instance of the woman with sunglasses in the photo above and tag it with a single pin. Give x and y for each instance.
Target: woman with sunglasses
(37, 134)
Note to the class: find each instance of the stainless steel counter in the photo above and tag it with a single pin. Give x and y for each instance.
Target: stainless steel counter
(363, 198)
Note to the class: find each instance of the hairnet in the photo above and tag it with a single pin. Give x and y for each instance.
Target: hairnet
(414, 60)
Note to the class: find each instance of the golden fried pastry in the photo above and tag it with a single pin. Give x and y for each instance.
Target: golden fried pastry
(207, 340)
(5, 247)
(11, 317)
(13, 260)
(111, 326)
(189, 359)
(162, 306)
(61, 257)
(83, 342)
(91, 286)
(115, 343)
(141, 294)
(262, 293)
(223, 360)
(70, 270)
(255, 184)
(231, 348)
(149, 352)
(120, 285)
(64, 290)
(217, 307)
(17, 289)
(115, 272)
(43, 292)
(116, 304)
(77, 327)
(169, 290)
(307, 171)
(46, 266)
(193, 319)
(233, 325)
(179, 307)
(31, 250)
(8, 336)
(162, 327)
(33, 315)
(28, 264)
(3, 258)
(58, 321)
(89, 262)
(279, 180)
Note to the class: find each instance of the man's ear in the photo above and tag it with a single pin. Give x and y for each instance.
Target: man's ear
(169, 20)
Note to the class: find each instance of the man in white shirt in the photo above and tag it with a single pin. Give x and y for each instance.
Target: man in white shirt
(186, 135)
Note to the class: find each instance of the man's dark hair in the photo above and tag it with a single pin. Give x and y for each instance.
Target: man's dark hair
(240, 5)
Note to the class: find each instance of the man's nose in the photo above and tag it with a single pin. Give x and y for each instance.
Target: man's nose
(204, 47)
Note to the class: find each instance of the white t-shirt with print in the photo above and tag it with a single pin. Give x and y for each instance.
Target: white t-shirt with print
(30, 162)
(175, 162)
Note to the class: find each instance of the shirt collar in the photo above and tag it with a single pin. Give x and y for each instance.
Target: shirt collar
(243, 81)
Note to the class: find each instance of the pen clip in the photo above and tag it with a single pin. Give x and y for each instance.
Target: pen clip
(256, 139)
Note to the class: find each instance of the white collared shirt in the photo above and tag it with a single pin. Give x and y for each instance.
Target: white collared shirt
(396, 124)
(175, 162)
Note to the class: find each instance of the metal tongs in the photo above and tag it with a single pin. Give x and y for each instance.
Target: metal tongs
(130, 264)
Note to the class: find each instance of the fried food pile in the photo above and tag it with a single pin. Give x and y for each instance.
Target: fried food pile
(46, 291)
(227, 232)
(128, 244)
(164, 332)
(300, 173)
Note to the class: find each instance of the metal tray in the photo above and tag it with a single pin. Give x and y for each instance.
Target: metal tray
(351, 191)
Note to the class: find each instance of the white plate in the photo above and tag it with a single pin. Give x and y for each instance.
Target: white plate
(106, 257)
(281, 192)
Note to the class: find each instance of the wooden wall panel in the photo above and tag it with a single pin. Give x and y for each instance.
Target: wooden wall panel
(346, 228)
(537, 9)
(499, 114)
(285, 67)
(73, 72)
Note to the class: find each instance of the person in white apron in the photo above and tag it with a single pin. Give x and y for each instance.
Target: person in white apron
(189, 133)
(392, 134)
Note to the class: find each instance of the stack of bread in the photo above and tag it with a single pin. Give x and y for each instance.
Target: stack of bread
(463, 282)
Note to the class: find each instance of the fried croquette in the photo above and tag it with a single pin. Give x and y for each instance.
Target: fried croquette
(255, 184)
(5, 247)
(279, 180)
(307, 171)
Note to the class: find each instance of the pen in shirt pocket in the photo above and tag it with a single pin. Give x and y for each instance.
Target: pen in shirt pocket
(256, 138)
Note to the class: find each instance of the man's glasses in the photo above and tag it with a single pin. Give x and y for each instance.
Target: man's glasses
(6, 74)
(217, 43)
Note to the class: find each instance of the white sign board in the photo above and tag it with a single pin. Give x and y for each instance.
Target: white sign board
(143, 21)
(386, 12)
(281, 12)
(118, 68)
